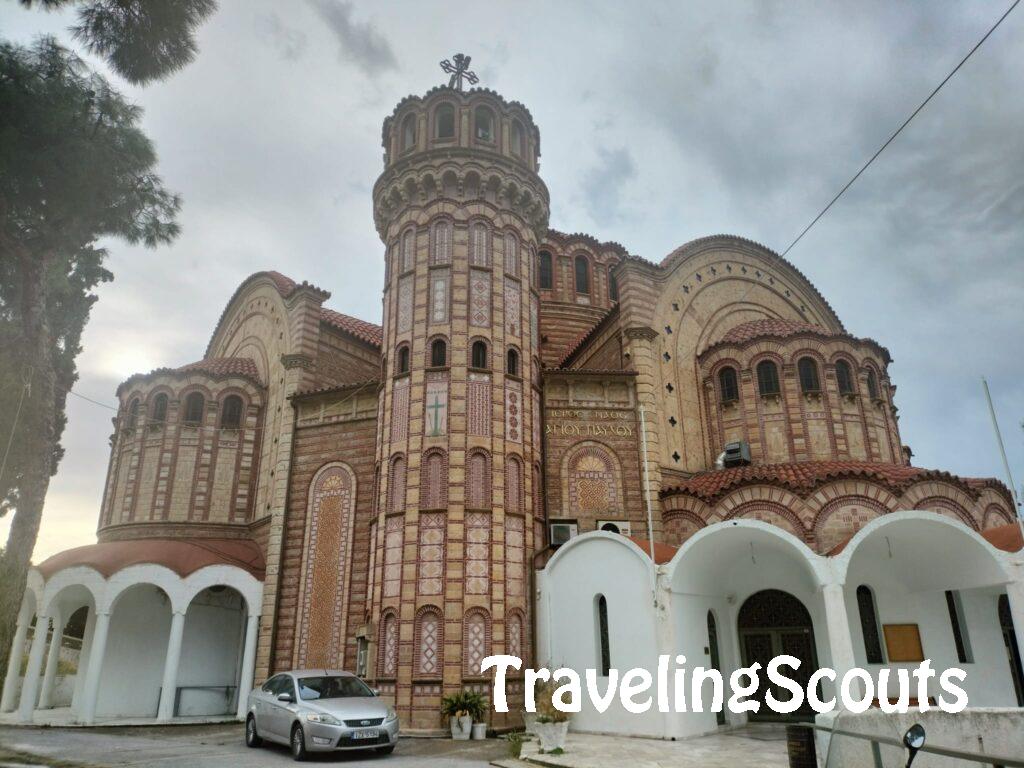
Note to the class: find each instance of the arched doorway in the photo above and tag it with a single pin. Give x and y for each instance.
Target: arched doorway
(772, 622)
(716, 660)
(1012, 649)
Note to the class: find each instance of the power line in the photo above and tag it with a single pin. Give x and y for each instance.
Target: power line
(900, 129)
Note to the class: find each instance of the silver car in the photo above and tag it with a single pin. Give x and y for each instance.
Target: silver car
(319, 710)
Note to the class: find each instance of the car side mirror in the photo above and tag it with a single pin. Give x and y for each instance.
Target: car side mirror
(375, 691)
(913, 740)
(286, 697)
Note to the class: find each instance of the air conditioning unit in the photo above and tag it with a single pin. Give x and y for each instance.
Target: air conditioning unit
(736, 454)
(560, 533)
(615, 526)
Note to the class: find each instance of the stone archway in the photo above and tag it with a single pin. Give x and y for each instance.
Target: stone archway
(773, 622)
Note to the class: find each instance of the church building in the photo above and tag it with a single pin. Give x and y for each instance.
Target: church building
(467, 477)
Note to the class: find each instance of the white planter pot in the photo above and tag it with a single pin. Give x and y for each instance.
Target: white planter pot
(479, 730)
(530, 722)
(461, 727)
(552, 735)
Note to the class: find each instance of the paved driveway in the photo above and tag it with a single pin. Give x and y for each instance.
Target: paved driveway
(212, 746)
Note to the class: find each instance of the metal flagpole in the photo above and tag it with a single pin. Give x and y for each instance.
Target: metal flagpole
(647, 488)
(1002, 452)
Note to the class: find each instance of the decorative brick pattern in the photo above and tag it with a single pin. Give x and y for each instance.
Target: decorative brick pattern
(400, 410)
(435, 415)
(431, 553)
(440, 281)
(593, 486)
(397, 485)
(408, 249)
(513, 308)
(514, 411)
(405, 304)
(329, 533)
(480, 298)
(514, 634)
(479, 251)
(441, 251)
(513, 485)
(511, 254)
(476, 642)
(478, 480)
(434, 480)
(388, 662)
(393, 557)
(515, 555)
(478, 408)
(429, 641)
(478, 553)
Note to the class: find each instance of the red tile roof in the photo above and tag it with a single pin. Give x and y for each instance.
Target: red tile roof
(183, 556)
(804, 477)
(662, 552)
(368, 332)
(215, 367)
(1005, 537)
(585, 337)
(778, 328)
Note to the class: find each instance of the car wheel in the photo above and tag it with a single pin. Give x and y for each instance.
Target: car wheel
(252, 739)
(386, 750)
(298, 743)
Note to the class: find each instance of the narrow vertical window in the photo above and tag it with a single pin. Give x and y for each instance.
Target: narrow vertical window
(582, 275)
(408, 249)
(484, 119)
(844, 378)
(133, 414)
(869, 626)
(159, 415)
(808, 370)
(231, 412)
(767, 378)
(727, 383)
(545, 270)
(872, 385)
(959, 627)
(613, 286)
(518, 148)
(444, 121)
(604, 652)
(438, 353)
(408, 132)
(194, 405)
(512, 363)
(403, 359)
(481, 257)
(511, 254)
(442, 253)
(479, 355)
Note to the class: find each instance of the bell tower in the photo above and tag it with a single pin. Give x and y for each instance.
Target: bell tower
(460, 209)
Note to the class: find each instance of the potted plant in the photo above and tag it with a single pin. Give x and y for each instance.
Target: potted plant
(515, 744)
(551, 725)
(462, 709)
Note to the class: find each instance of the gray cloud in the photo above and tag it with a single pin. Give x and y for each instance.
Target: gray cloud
(358, 42)
(603, 183)
(289, 41)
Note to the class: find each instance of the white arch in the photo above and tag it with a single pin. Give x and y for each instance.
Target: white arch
(145, 573)
(76, 576)
(922, 529)
(578, 541)
(240, 580)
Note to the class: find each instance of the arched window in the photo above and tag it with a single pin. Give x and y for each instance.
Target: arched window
(480, 257)
(514, 635)
(869, 625)
(442, 253)
(483, 118)
(396, 485)
(511, 254)
(872, 385)
(476, 642)
(133, 414)
(444, 122)
(231, 412)
(767, 378)
(582, 274)
(478, 480)
(613, 286)
(956, 622)
(388, 646)
(408, 249)
(513, 485)
(808, 370)
(159, 415)
(402, 359)
(194, 405)
(428, 641)
(546, 276)
(512, 363)
(408, 132)
(844, 377)
(438, 353)
(435, 481)
(478, 355)
(728, 385)
(517, 143)
(604, 651)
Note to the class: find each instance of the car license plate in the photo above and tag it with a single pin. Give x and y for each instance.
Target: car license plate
(365, 733)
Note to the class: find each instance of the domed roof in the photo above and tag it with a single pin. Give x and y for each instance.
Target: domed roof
(772, 326)
(215, 367)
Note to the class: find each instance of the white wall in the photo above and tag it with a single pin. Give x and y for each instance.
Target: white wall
(611, 566)
(136, 647)
(210, 651)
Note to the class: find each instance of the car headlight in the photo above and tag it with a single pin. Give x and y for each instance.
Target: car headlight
(392, 714)
(322, 718)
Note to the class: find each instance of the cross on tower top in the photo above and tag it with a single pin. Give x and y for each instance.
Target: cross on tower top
(459, 71)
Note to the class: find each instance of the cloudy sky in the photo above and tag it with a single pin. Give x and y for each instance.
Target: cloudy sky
(660, 122)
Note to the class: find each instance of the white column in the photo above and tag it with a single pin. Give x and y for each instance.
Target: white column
(92, 680)
(839, 638)
(170, 684)
(30, 687)
(7, 702)
(52, 657)
(248, 660)
(83, 663)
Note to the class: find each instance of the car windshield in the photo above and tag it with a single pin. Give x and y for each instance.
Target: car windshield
(332, 688)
